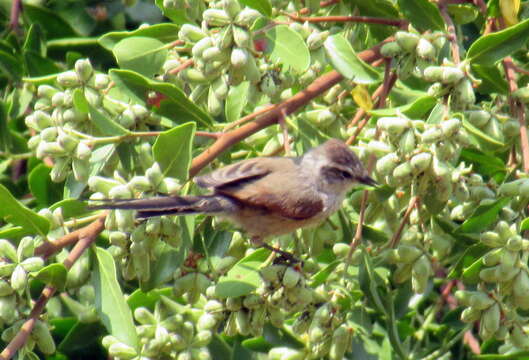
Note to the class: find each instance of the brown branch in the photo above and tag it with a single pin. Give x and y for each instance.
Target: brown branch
(16, 8)
(84, 237)
(182, 66)
(323, 4)
(49, 248)
(519, 69)
(318, 86)
(396, 237)
(357, 19)
(517, 110)
(452, 36)
(250, 117)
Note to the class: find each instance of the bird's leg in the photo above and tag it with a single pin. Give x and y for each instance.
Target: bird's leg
(283, 255)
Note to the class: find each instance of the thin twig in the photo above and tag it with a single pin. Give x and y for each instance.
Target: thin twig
(182, 66)
(283, 125)
(323, 4)
(16, 8)
(49, 248)
(452, 36)
(517, 110)
(357, 19)
(396, 237)
(84, 238)
(250, 117)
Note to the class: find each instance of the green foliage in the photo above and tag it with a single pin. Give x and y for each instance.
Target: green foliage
(111, 100)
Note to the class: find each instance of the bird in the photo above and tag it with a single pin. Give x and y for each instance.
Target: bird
(266, 196)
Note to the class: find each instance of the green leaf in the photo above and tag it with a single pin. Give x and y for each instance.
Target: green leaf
(70, 208)
(169, 259)
(485, 164)
(480, 134)
(345, 60)
(469, 257)
(10, 66)
(52, 24)
(179, 107)
(519, 355)
(82, 338)
(492, 80)
(13, 212)
(147, 299)
(79, 101)
(164, 32)
(423, 14)
(177, 15)
(172, 150)
(463, 13)
(471, 273)
(53, 274)
(41, 186)
(286, 46)
(243, 277)
(483, 217)
(495, 46)
(38, 65)
(110, 301)
(524, 225)
(321, 276)
(236, 101)
(5, 139)
(263, 6)
(141, 54)
(104, 124)
(417, 109)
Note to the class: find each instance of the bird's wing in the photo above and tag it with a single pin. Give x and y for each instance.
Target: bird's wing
(242, 170)
(271, 192)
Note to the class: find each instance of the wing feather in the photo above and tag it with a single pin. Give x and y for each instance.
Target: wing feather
(242, 170)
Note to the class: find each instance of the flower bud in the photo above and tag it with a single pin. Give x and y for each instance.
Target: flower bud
(191, 33)
(470, 315)
(84, 69)
(407, 41)
(390, 49)
(247, 17)
(393, 125)
(216, 17)
(425, 49)
(316, 39)
(421, 162)
(121, 351)
(478, 118)
(68, 79)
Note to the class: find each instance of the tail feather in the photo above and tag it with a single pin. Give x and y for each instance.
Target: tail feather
(174, 205)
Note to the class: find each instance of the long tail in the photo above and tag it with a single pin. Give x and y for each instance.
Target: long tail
(172, 205)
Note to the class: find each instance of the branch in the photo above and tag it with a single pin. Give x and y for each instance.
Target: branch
(517, 110)
(322, 5)
(84, 237)
(16, 8)
(396, 237)
(452, 37)
(357, 19)
(287, 107)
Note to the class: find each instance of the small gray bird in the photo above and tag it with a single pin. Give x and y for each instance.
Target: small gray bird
(267, 196)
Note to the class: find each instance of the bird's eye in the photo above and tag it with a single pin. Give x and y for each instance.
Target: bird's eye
(346, 174)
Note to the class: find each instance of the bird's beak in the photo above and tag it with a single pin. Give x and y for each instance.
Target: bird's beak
(367, 180)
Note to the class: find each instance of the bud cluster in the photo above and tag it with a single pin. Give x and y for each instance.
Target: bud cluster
(16, 266)
(172, 331)
(63, 129)
(414, 52)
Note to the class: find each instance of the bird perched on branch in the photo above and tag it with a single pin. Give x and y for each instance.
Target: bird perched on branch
(267, 196)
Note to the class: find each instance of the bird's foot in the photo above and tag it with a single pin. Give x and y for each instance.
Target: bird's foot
(284, 257)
